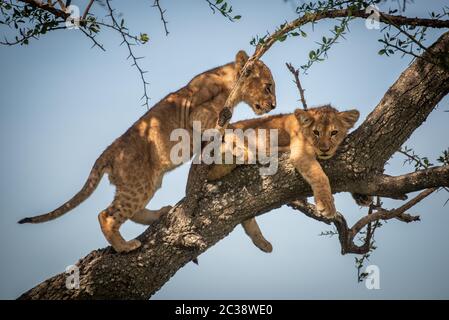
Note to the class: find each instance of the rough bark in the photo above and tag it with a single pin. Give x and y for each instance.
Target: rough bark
(179, 237)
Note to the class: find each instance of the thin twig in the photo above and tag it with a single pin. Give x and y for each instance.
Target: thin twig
(295, 73)
(162, 12)
(214, 7)
(131, 55)
(91, 37)
(25, 37)
(399, 28)
(412, 157)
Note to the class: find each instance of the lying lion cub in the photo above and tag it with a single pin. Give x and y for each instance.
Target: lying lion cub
(315, 133)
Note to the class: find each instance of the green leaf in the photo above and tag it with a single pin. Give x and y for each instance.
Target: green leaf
(312, 55)
(237, 17)
(282, 38)
(144, 38)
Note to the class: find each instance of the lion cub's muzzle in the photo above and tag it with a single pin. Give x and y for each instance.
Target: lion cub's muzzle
(264, 108)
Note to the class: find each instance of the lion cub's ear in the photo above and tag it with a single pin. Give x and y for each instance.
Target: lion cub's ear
(240, 59)
(304, 117)
(349, 118)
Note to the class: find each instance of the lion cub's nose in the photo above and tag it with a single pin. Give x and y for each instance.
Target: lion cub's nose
(325, 149)
(273, 106)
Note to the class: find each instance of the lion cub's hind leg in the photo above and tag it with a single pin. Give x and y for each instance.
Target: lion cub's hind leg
(253, 231)
(147, 217)
(125, 205)
(111, 220)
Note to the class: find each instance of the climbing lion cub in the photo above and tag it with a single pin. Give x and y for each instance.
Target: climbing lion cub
(308, 135)
(137, 161)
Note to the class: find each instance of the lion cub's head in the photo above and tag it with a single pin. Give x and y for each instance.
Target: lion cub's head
(325, 128)
(257, 89)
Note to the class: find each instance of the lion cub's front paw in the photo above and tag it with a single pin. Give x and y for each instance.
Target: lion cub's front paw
(128, 246)
(166, 209)
(325, 206)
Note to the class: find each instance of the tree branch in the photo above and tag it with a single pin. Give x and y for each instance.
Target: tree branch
(388, 186)
(295, 73)
(177, 237)
(346, 235)
(382, 214)
(86, 11)
(47, 7)
(131, 54)
(161, 12)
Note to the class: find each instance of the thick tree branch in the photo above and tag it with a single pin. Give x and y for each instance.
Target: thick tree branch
(388, 186)
(178, 238)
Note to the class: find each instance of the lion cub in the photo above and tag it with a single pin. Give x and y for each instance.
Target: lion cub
(137, 161)
(315, 133)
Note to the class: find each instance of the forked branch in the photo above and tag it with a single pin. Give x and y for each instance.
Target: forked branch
(346, 235)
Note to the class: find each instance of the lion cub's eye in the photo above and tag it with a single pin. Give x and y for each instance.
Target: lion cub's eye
(316, 132)
(333, 133)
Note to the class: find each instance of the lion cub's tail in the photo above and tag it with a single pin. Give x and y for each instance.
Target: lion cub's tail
(89, 187)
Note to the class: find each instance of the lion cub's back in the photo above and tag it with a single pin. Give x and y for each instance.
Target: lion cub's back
(281, 122)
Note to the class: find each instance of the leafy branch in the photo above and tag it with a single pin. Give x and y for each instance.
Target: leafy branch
(409, 38)
(347, 10)
(413, 159)
(34, 18)
(224, 8)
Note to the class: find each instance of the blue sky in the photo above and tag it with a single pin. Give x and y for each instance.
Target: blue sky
(62, 103)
